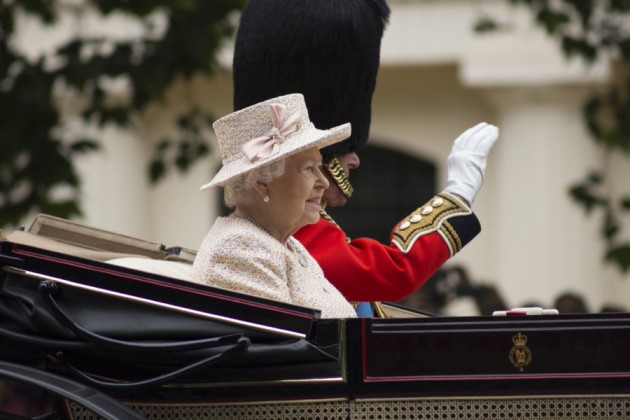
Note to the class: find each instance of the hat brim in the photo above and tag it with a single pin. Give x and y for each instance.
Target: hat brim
(295, 144)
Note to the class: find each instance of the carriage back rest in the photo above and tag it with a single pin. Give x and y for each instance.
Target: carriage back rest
(78, 239)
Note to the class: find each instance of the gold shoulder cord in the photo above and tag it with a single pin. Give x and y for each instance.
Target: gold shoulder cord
(433, 216)
(324, 215)
(378, 310)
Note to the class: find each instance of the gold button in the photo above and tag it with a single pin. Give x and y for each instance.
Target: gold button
(426, 210)
(404, 225)
(437, 202)
(415, 218)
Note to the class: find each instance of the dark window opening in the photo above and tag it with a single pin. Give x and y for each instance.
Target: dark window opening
(388, 185)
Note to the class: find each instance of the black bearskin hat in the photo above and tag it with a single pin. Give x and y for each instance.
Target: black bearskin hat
(328, 50)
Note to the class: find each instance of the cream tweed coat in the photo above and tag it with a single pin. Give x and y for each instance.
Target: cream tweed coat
(237, 255)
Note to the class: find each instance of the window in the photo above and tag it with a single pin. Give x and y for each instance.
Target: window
(388, 185)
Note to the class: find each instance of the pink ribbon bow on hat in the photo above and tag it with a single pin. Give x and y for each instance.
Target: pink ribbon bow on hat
(269, 145)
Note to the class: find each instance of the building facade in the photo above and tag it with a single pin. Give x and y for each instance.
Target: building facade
(437, 78)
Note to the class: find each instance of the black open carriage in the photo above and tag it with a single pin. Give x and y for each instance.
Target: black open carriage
(114, 341)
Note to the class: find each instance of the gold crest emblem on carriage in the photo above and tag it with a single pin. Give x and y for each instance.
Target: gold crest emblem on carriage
(520, 355)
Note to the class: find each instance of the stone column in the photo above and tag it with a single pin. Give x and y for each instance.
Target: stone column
(543, 242)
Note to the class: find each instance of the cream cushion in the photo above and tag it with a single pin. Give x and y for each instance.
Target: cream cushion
(175, 269)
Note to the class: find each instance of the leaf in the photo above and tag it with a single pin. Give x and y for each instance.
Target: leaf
(44, 9)
(552, 20)
(184, 122)
(624, 48)
(584, 8)
(594, 178)
(183, 160)
(611, 226)
(582, 195)
(163, 146)
(202, 150)
(84, 146)
(157, 170)
(572, 46)
(64, 209)
(485, 25)
(591, 114)
(619, 255)
(118, 115)
(527, 2)
(619, 5)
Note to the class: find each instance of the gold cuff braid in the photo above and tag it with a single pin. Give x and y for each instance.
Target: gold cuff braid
(339, 176)
(433, 216)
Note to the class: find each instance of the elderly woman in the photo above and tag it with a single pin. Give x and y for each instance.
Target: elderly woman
(272, 177)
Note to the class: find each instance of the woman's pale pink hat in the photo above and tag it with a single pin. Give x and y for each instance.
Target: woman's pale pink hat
(267, 132)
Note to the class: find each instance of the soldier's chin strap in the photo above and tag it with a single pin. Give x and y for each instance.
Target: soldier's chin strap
(337, 173)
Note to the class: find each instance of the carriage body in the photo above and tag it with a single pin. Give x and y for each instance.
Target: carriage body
(116, 329)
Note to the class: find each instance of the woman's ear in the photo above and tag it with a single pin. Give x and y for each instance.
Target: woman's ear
(262, 188)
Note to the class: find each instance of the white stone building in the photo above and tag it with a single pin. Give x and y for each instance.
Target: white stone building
(437, 78)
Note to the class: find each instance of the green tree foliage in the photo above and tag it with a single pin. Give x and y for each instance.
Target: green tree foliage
(592, 30)
(36, 161)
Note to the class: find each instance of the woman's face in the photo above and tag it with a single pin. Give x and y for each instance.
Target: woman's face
(295, 197)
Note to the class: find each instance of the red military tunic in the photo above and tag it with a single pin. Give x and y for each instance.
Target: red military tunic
(364, 269)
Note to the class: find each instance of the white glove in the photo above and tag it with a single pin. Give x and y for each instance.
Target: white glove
(466, 164)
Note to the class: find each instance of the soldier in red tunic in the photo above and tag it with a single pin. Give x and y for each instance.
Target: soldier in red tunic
(329, 51)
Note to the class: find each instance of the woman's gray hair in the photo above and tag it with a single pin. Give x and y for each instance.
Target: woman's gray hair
(235, 190)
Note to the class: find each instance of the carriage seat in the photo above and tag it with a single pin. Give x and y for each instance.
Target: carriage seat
(175, 269)
(81, 240)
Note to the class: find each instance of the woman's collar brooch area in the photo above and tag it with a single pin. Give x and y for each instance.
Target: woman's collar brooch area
(297, 252)
(293, 248)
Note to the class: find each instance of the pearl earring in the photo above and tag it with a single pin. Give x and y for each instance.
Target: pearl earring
(266, 198)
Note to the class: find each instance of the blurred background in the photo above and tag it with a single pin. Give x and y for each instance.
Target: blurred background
(106, 110)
